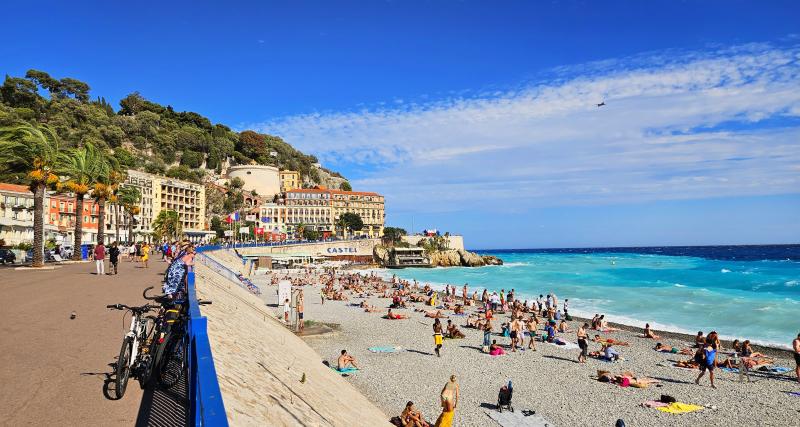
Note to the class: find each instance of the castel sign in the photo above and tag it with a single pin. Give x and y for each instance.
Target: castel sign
(342, 250)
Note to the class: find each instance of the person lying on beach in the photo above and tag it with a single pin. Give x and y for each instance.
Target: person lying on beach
(346, 360)
(600, 340)
(411, 417)
(453, 332)
(626, 377)
(667, 349)
(458, 309)
(610, 353)
(433, 314)
(495, 349)
(394, 316)
(649, 333)
(473, 321)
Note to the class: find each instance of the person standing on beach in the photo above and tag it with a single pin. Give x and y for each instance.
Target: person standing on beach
(533, 323)
(796, 348)
(487, 334)
(516, 333)
(708, 362)
(286, 311)
(464, 293)
(583, 343)
(100, 258)
(449, 399)
(300, 310)
(437, 336)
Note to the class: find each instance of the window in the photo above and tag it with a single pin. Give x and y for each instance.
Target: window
(85, 218)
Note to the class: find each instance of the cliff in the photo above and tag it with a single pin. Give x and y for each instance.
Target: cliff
(444, 258)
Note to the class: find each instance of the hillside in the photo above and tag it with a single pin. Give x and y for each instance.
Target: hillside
(145, 135)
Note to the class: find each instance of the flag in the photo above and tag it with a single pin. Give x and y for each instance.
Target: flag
(233, 216)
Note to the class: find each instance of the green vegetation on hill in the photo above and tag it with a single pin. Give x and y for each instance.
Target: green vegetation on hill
(142, 134)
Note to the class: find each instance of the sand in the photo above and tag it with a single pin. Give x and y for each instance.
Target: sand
(548, 381)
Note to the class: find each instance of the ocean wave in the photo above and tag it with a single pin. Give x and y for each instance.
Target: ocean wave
(514, 264)
(792, 283)
(725, 270)
(678, 285)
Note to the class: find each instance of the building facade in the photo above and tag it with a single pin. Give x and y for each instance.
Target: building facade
(290, 180)
(264, 180)
(309, 207)
(320, 210)
(16, 214)
(60, 213)
(369, 206)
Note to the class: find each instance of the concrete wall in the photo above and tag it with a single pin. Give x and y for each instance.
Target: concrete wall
(265, 180)
(456, 242)
(348, 247)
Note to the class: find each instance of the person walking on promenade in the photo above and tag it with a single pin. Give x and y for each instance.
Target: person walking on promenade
(796, 348)
(100, 258)
(449, 399)
(437, 336)
(113, 258)
(145, 254)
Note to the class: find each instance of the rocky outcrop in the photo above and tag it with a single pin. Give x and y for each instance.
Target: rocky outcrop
(380, 254)
(470, 259)
(448, 258)
(491, 260)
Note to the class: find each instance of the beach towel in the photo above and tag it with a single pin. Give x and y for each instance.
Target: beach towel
(731, 370)
(793, 393)
(566, 346)
(345, 370)
(774, 369)
(386, 349)
(679, 408)
(518, 419)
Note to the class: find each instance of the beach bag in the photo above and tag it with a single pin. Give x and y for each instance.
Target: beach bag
(665, 398)
(396, 421)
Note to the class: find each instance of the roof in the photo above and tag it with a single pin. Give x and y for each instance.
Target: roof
(309, 190)
(14, 187)
(355, 193)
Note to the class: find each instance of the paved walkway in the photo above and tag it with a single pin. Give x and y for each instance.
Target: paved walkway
(53, 370)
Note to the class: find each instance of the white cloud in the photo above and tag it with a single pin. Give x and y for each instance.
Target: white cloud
(676, 125)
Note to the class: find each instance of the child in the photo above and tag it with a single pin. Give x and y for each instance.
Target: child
(286, 311)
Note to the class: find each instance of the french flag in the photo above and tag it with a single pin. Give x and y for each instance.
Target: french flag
(233, 216)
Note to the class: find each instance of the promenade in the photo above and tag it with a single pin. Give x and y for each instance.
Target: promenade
(53, 370)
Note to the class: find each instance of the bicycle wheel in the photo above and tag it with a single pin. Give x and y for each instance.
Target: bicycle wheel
(172, 361)
(147, 351)
(123, 368)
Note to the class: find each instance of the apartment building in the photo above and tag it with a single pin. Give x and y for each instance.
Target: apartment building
(273, 218)
(311, 207)
(16, 214)
(369, 206)
(321, 208)
(290, 180)
(61, 214)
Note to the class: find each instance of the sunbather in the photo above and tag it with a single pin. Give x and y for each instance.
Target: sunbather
(411, 417)
(394, 316)
(346, 360)
(495, 349)
(453, 332)
(649, 333)
(667, 349)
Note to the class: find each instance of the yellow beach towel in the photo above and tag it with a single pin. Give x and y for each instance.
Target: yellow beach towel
(679, 408)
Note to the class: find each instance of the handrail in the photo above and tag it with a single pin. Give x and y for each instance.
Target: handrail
(206, 407)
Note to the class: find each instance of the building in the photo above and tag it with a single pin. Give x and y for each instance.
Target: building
(264, 180)
(310, 207)
(369, 206)
(16, 214)
(61, 215)
(160, 193)
(273, 218)
(290, 180)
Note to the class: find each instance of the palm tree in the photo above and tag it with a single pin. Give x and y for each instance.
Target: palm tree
(83, 166)
(129, 197)
(104, 190)
(300, 229)
(34, 150)
(167, 224)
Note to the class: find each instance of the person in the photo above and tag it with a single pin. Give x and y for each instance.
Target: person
(449, 400)
(145, 254)
(345, 360)
(494, 300)
(707, 360)
(487, 333)
(411, 417)
(113, 257)
(495, 349)
(286, 311)
(532, 325)
(563, 326)
(394, 316)
(566, 309)
(583, 343)
(100, 258)
(610, 354)
(699, 340)
(516, 333)
(300, 310)
(322, 296)
(551, 331)
(437, 336)
(175, 275)
(452, 331)
(796, 348)
(649, 333)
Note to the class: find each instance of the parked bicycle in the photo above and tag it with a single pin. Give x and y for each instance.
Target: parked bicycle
(134, 356)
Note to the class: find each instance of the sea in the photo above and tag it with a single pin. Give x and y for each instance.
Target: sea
(744, 292)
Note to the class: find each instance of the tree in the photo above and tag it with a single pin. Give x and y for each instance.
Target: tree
(345, 186)
(393, 234)
(167, 225)
(192, 159)
(35, 151)
(351, 221)
(105, 188)
(310, 234)
(216, 226)
(129, 197)
(83, 166)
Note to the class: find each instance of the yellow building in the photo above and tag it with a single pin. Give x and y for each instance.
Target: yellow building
(289, 180)
(369, 206)
(161, 193)
(310, 207)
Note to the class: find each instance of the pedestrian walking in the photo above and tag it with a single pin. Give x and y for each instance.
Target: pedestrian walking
(113, 258)
(99, 258)
(437, 336)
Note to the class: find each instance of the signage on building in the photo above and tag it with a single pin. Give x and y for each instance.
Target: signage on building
(244, 230)
(251, 218)
(265, 219)
(259, 230)
(228, 233)
(342, 250)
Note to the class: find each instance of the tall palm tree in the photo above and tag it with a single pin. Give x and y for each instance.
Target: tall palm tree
(167, 225)
(129, 197)
(34, 150)
(105, 189)
(83, 166)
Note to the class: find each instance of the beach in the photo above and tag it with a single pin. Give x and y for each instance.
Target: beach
(547, 381)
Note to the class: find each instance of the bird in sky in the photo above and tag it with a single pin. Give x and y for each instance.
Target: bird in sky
(601, 104)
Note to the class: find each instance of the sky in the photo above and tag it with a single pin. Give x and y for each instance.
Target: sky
(480, 118)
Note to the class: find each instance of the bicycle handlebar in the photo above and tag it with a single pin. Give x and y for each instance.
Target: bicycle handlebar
(161, 299)
(140, 309)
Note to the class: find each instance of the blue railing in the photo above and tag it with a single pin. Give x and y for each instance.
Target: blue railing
(205, 399)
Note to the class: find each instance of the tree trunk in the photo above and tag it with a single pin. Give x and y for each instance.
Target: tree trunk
(116, 219)
(38, 226)
(130, 228)
(76, 250)
(101, 220)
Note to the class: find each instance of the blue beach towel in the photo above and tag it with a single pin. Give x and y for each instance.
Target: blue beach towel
(731, 370)
(345, 370)
(385, 349)
(793, 393)
(774, 369)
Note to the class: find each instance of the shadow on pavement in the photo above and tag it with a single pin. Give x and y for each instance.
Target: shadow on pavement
(165, 407)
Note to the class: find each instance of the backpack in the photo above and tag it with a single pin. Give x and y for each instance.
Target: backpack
(665, 398)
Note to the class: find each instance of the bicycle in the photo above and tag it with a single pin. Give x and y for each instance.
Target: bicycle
(173, 361)
(134, 354)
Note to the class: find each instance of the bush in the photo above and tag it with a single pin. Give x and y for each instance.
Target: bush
(192, 159)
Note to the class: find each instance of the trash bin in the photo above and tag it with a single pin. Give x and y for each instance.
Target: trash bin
(85, 251)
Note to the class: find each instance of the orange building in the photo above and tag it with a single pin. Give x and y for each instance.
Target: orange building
(61, 214)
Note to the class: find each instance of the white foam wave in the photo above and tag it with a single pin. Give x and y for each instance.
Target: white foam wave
(678, 285)
(514, 264)
(725, 270)
(792, 283)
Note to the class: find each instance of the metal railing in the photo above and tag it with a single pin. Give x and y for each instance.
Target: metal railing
(205, 398)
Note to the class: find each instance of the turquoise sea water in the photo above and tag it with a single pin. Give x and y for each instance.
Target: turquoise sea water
(757, 300)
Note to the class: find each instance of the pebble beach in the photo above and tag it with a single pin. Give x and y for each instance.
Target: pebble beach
(548, 381)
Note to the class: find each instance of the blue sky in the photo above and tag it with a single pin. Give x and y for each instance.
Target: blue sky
(478, 117)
